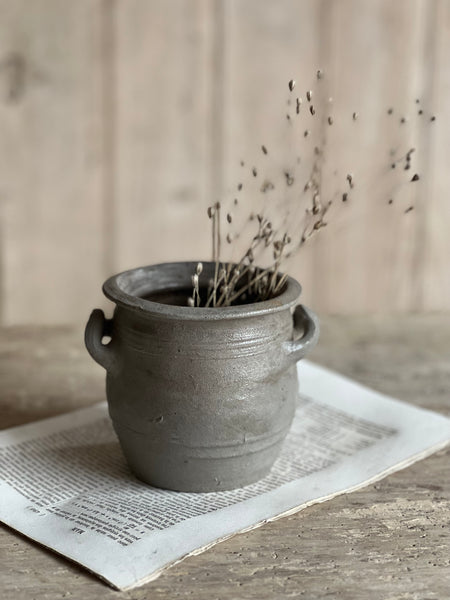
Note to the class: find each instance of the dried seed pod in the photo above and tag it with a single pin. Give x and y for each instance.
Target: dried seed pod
(312, 110)
(190, 302)
(350, 179)
(344, 197)
(415, 177)
(390, 201)
(316, 203)
(355, 116)
(298, 103)
(330, 120)
(433, 118)
(291, 85)
(289, 178)
(199, 268)
(254, 172)
(306, 133)
(318, 224)
(277, 245)
(236, 201)
(229, 238)
(420, 112)
(319, 74)
(229, 217)
(211, 211)
(194, 280)
(266, 186)
(409, 209)
(390, 111)
(264, 149)
(239, 187)
(309, 95)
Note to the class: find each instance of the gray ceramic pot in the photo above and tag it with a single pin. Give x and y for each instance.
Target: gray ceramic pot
(201, 398)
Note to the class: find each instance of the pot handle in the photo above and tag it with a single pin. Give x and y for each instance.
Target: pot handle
(305, 321)
(97, 327)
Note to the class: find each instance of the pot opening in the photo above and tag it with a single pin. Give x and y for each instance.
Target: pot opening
(168, 287)
(180, 297)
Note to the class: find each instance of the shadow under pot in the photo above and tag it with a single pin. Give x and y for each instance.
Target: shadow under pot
(201, 398)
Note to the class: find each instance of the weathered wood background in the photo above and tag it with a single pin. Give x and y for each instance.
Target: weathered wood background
(120, 121)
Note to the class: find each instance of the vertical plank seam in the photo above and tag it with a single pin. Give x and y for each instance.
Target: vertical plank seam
(109, 130)
(217, 115)
(430, 48)
(327, 40)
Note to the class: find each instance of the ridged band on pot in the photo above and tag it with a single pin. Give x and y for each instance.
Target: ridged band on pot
(201, 398)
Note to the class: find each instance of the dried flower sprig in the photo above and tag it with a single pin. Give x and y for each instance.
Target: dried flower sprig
(302, 201)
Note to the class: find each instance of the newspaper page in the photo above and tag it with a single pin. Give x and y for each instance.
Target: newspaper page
(65, 484)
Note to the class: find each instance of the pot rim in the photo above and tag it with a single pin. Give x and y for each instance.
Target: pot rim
(113, 288)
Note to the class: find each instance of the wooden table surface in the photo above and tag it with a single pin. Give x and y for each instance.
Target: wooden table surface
(389, 540)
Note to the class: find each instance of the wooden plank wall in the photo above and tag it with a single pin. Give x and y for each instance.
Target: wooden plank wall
(51, 159)
(121, 121)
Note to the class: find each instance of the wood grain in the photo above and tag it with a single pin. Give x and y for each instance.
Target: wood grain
(266, 45)
(436, 209)
(163, 127)
(50, 156)
(369, 262)
(389, 540)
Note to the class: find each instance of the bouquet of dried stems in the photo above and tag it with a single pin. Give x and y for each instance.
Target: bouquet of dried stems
(299, 204)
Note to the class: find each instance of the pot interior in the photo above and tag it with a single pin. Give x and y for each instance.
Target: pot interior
(179, 297)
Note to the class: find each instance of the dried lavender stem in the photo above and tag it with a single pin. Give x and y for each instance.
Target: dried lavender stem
(246, 287)
(281, 283)
(266, 282)
(217, 248)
